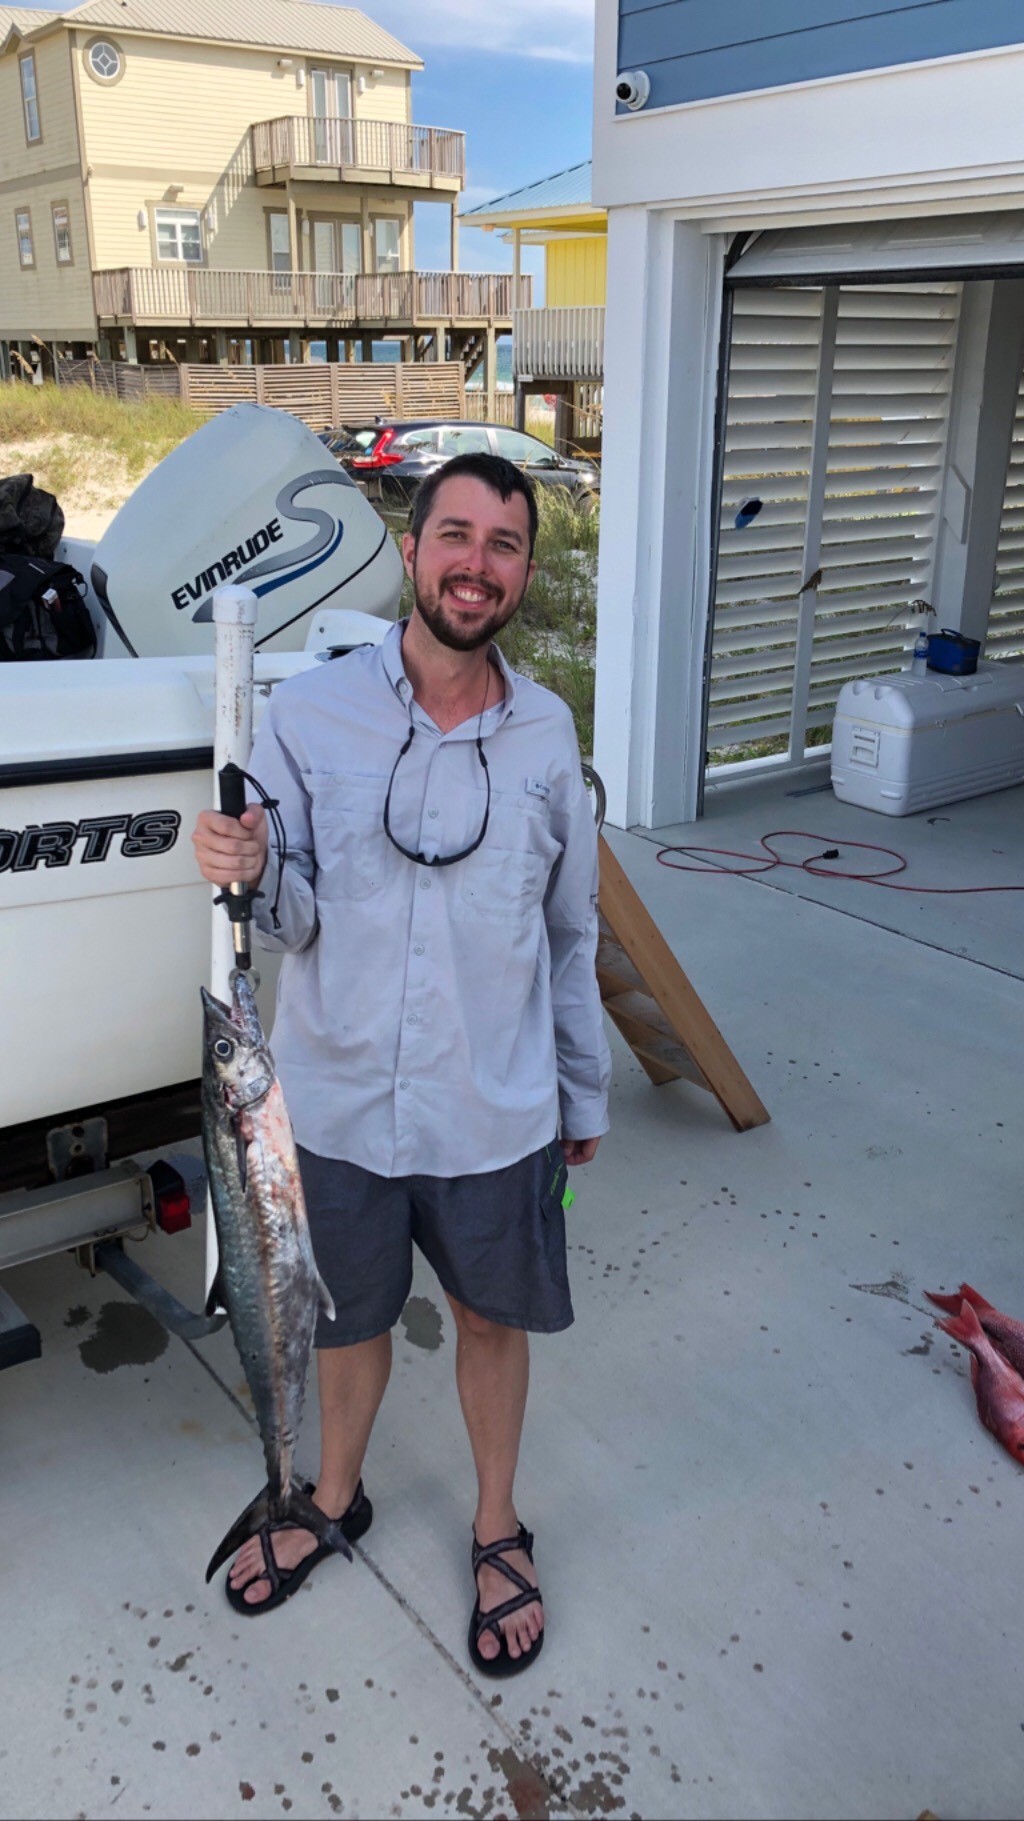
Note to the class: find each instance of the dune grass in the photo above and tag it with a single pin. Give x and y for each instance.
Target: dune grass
(78, 424)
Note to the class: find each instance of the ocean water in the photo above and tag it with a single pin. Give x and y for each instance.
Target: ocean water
(392, 351)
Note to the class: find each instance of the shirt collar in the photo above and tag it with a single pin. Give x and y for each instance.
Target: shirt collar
(391, 657)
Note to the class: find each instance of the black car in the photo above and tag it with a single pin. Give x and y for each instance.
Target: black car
(389, 461)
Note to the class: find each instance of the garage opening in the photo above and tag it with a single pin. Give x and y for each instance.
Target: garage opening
(872, 458)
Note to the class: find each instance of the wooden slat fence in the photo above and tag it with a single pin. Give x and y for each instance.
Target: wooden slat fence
(335, 392)
(118, 379)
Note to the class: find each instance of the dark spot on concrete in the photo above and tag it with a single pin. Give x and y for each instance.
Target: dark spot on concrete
(192, 1751)
(159, 1745)
(126, 1335)
(307, 1757)
(422, 1323)
(848, 1637)
(246, 1791)
(528, 1792)
(332, 1694)
(77, 1316)
(180, 1662)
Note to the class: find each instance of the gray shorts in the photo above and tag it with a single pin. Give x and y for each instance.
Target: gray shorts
(496, 1241)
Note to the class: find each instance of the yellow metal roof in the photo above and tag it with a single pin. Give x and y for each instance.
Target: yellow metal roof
(287, 25)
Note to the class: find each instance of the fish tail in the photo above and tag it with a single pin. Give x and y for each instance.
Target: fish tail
(249, 1524)
(964, 1327)
(301, 1510)
(976, 1301)
(951, 1304)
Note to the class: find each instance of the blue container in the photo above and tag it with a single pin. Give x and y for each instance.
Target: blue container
(953, 654)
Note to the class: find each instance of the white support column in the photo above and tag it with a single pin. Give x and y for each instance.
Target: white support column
(986, 378)
(517, 266)
(294, 247)
(131, 352)
(454, 244)
(220, 344)
(662, 334)
(812, 532)
(491, 372)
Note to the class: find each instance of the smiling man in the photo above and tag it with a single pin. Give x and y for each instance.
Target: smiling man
(439, 1031)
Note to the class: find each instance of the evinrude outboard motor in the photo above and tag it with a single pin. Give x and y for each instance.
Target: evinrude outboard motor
(253, 496)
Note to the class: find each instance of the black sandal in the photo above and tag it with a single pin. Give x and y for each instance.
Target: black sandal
(353, 1524)
(492, 1554)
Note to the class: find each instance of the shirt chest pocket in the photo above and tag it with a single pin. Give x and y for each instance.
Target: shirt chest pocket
(503, 885)
(354, 857)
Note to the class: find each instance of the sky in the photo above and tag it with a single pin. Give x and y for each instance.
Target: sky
(516, 78)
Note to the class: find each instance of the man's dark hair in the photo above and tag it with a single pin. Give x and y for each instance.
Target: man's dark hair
(503, 478)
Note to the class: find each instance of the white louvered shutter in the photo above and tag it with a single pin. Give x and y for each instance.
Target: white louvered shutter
(1006, 624)
(837, 416)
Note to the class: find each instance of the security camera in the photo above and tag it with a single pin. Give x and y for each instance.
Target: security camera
(633, 89)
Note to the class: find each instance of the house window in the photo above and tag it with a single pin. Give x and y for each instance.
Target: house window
(23, 228)
(30, 98)
(178, 235)
(105, 60)
(386, 248)
(62, 233)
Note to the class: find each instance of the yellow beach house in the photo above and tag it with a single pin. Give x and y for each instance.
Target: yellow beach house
(557, 348)
(223, 181)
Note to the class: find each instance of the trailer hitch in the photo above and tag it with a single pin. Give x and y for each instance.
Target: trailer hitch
(111, 1257)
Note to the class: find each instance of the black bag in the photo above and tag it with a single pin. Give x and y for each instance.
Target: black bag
(42, 612)
(31, 522)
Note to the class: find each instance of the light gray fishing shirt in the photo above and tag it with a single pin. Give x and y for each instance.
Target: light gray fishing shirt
(443, 1020)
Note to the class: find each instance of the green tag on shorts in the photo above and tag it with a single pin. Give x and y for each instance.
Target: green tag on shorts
(567, 1199)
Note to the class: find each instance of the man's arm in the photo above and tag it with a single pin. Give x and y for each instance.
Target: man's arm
(570, 910)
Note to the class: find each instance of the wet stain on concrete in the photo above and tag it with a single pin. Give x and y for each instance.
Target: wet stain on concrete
(528, 1792)
(126, 1335)
(422, 1323)
(895, 1286)
(77, 1316)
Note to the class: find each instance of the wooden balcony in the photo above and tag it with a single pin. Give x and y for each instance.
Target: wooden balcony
(329, 148)
(559, 343)
(196, 297)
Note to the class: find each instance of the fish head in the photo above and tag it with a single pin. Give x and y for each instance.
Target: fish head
(235, 1055)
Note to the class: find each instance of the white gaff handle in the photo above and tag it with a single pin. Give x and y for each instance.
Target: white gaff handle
(234, 619)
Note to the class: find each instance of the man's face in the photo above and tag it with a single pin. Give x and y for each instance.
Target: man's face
(472, 565)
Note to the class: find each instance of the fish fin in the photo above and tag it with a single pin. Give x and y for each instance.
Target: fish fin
(326, 1300)
(976, 1301)
(242, 1155)
(300, 1509)
(964, 1327)
(216, 1299)
(951, 1304)
(249, 1524)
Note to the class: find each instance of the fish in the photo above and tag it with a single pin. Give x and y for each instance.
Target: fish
(267, 1278)
(1007, 1333)
(998, 1389)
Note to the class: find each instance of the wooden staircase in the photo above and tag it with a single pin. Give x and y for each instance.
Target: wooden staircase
(650, 1000)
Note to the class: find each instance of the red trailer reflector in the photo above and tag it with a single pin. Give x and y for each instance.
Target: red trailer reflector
(172, 1204)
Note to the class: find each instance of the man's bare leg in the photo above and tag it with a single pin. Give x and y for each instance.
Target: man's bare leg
(492, 1369)
(352, 1382)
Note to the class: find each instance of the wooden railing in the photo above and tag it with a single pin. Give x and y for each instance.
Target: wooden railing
(162, 295)
(359, 145)
(559, 343)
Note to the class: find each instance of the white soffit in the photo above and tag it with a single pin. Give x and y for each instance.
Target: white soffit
(981, 244)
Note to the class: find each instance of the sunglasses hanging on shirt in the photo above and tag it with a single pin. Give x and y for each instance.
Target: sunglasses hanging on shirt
(419, 858)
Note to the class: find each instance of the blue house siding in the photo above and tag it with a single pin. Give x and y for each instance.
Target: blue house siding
(694, 49)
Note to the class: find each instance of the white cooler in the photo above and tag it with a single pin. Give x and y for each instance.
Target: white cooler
(906, 743)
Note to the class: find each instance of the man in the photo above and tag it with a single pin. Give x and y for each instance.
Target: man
(438, 1032)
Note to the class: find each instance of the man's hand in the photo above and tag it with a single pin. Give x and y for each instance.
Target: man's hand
(580, 1150)
(231, 852)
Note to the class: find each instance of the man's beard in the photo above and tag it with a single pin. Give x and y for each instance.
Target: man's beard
(448, 632)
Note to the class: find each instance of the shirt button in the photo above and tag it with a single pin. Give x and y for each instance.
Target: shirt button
(403, 1083)
(413, 1018)
(419, 949)
(431, 813)
(424, 885)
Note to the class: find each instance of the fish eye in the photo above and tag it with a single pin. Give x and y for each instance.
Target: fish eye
(223, 1048)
